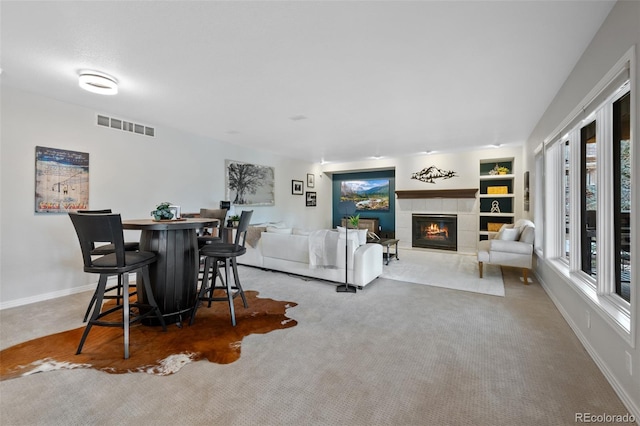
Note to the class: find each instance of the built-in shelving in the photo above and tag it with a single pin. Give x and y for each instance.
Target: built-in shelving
(496, 196)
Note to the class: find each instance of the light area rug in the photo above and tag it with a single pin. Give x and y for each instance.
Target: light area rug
(448, 270)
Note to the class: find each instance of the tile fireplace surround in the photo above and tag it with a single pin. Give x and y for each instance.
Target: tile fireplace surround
(466, 208)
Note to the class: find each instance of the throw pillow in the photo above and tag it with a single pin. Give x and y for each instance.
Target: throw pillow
(353, 235)
(505, 226)
(509, 234)
(298, 231)
(362, 236)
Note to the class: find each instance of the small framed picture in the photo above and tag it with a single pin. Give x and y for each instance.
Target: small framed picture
(311, 180)
(296, 187)
(311, 199)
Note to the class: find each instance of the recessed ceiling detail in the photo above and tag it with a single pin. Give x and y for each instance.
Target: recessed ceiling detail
(298, 117)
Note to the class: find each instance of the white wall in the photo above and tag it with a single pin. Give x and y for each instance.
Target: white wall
(129, 173)
(620, 31)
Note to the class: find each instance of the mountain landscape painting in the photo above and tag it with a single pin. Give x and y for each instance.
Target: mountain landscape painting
(367, 194)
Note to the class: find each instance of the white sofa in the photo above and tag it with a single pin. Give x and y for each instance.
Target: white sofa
(513, 246)
(287, 250)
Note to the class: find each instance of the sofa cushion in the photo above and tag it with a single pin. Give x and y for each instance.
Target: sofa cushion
(286, 247)
(298, 231)
(275, 230)
(528, 235)
(483, 250)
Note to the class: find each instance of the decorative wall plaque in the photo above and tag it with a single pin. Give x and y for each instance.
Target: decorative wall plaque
(431, 173)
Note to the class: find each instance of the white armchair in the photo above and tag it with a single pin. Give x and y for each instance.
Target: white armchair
(512, 246)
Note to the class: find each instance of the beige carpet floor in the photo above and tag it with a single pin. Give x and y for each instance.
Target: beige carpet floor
(394, 354)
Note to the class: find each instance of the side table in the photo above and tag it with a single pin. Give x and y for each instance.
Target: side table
(388, 242)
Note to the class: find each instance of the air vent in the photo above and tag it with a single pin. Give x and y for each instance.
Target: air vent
(125, 126)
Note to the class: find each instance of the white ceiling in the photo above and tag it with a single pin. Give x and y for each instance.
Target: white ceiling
(385, 78)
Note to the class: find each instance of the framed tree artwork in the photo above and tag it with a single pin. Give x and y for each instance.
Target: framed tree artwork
(249, 184)
(311, 180)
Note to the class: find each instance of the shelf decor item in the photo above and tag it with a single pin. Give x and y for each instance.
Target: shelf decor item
(162, 212)
(499, 170)
(497, 190)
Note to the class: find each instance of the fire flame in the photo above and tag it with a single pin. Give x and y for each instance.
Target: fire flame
(434, 230)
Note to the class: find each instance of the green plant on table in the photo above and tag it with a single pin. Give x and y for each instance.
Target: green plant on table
(162, 212)
(354, 221)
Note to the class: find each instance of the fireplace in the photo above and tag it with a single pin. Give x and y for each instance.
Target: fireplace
(435, 231)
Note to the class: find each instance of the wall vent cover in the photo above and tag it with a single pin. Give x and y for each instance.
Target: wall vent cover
(125, 126)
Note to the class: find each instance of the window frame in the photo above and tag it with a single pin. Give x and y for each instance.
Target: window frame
(599, 291)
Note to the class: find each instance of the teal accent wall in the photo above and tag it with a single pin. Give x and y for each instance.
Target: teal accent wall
(387, 218)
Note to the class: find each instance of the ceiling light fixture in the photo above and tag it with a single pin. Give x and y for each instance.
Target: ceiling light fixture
(97, 82)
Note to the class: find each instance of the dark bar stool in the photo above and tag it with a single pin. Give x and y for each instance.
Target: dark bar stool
(101, 251)
(225, 255)
(99, 228)
(219, 214)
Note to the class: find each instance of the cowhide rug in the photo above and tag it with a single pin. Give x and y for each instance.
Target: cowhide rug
(211, 337)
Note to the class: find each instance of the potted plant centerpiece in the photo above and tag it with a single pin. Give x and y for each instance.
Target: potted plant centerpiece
(234, 221)
(162, 212)
(354, 221)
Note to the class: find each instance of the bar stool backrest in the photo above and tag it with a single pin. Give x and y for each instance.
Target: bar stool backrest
(93, 228)
(219, 214)
(241, 233)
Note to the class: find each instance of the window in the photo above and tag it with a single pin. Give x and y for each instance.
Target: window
(588, 197)
(538, 202)
(622, 194)
(589, 189)
(567, 199)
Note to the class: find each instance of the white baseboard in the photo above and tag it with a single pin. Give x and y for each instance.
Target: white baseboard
(46, 296)
(611, 378)
(52, 295)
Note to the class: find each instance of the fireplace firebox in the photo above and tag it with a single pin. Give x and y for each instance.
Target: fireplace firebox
(435, 231)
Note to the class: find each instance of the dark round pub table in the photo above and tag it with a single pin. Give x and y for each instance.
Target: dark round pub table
(174, 277)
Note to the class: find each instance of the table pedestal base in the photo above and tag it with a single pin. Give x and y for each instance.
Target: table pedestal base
(174, 277)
